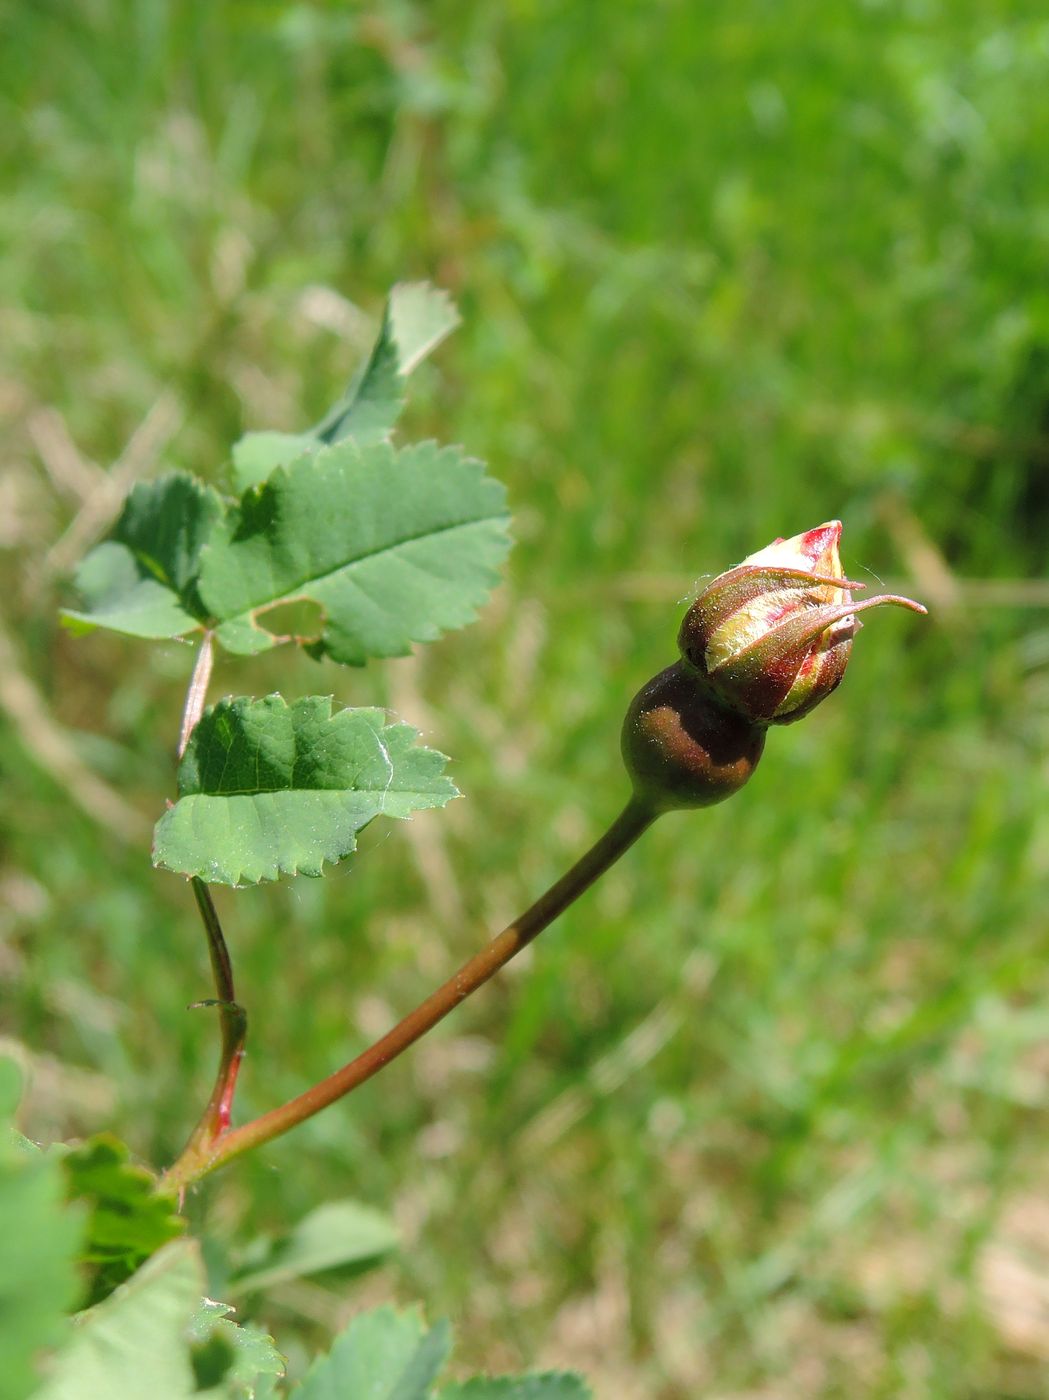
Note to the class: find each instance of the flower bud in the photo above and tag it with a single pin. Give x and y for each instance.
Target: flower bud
(772, 636)
(682, 747)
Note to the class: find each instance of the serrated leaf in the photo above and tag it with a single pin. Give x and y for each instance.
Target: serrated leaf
(268, 788)
(142, 581)
(253, 1352)
(560, 1385)
(212, 1360)
(382, 1355)
(417, 318)
(255, 455)
(120, 596)
(39, 1239)
(389, 1355)
(135, 1343)
(332, 1236)
(128, 1219)
(421, 316)
(394, 546)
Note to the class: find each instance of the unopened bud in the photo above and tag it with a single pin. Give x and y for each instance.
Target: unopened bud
(772, 636)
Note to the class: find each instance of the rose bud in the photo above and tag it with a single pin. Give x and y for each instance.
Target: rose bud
(772, 636)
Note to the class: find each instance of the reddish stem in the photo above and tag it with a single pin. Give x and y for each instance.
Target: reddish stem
(215, 1119)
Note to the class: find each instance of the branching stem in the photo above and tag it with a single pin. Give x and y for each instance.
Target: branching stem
(204, 1155)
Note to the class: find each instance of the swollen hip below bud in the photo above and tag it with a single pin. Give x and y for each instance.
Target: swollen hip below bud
(682, 747)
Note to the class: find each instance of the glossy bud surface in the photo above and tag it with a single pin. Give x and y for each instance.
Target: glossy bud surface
(682, 747)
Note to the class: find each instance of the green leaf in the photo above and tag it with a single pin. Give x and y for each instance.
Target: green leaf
(11, 1080)
(142, 581)
(427, 1359)
(11, 1084)
(251, 1352)
(39, 1239)
(559, 1385)
(128, 1219)
(389, 1355)
(135, 1343)
(257, 454)
(332, 1236)
(417, 318)
(120, 595)
(244, 638)
(268, 788)
(420, 316)
(382, 1355)
(394, 546)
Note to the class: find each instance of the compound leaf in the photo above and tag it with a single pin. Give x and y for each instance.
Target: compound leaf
(384, 1355)
(142, 581)
(128, 1219)
(267, 788)
(394, 546)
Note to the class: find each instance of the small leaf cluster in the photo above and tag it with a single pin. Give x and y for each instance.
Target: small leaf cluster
(127, 1221)
(85, 1228)
(388, 545)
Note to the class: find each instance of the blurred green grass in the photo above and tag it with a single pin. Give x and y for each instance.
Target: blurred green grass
(767, 1114)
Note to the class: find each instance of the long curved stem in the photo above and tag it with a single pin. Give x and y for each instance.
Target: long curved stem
(202, 1157)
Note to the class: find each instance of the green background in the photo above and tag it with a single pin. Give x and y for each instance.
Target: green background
(767, 1113)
